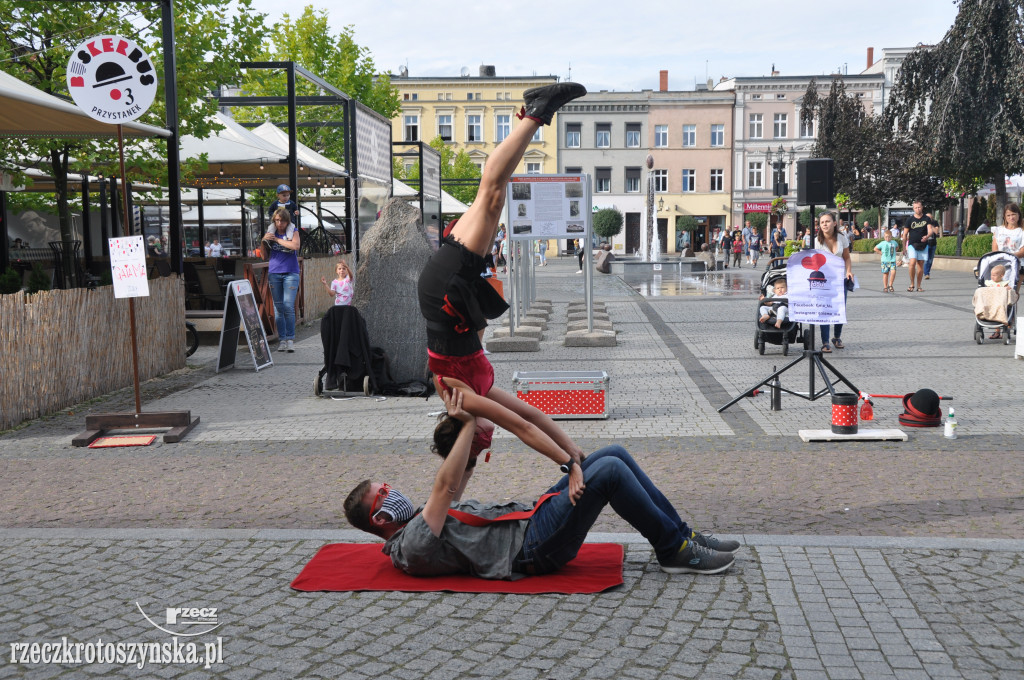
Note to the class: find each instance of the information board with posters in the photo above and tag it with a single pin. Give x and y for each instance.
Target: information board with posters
(815, 280)
(549, 207)
(128, 266)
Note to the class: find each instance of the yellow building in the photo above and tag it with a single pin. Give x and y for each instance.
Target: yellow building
(472, 113)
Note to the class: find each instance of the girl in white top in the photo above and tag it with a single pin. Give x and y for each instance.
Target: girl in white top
(829, 238)
(1009, 238)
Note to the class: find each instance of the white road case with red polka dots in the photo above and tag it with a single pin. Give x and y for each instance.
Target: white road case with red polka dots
(564, 394)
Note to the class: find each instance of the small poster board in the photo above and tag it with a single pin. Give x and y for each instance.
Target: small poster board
(240, 312)
(815, 280)
(549, 207)
(128, 266)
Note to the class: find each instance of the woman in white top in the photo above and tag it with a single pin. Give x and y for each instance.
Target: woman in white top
(1009, 238)
(828, 238)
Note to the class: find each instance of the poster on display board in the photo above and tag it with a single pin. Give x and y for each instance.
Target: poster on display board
(128, 266)
(549, 206)
(815, 281)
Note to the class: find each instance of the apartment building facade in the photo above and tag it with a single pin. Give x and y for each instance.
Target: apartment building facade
(472, 113)
(766, 118)
(604, 134)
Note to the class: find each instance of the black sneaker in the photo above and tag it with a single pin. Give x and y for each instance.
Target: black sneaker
(693, 558)
(708, 540)
(542, 102)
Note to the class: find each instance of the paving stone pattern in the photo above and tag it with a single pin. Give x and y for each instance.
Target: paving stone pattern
(860, 561)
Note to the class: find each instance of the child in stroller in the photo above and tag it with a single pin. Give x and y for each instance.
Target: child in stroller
(773, 324)
(995, 299)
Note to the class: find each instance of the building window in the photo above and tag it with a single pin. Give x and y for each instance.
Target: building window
(603, 136)
(632, 180)
(689, 135)
(807, 128)
(474, 130)
(410, 96)
(574, 171)
(718, 135)
(689, 180)
(780, 96)
(755, 175)
(408, 168)
(444, 127)
(755, 96)
(603, 180)
(440, 96)
(538, 136)
(660, 136)
(572, 135)
(502, 126)
(756, 125)
(781, 125)
(660, 181)
(412, 128)
(632, 135)
(717, 179)
(533, 168)
(473, 96)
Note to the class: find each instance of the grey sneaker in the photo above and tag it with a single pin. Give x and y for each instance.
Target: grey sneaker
(708, 540)
(693, 558)
(291, 346)
(282, 346)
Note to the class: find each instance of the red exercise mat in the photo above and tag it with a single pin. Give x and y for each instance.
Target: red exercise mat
(340, 567)
(126, 440)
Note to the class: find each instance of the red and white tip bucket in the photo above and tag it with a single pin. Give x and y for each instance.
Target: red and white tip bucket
(844, 413)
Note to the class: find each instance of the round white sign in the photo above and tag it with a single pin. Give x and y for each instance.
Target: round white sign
(112, 79)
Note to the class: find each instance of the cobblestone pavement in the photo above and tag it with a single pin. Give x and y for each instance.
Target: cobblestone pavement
(861, 559)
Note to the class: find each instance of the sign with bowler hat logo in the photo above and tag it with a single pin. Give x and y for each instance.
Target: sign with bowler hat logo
(111, 79)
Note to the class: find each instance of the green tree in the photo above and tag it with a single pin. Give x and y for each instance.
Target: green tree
(454, 166)
(962, 100)
(607, 223)
(37, 39)
(757, 220)
(337, 59)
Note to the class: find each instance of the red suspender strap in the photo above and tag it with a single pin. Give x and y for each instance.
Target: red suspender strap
(475, 521)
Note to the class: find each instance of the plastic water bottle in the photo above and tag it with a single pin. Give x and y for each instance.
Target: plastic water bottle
(950, 429)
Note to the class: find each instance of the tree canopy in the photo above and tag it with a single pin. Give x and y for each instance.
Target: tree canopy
(337, 59)
(962, 101)
(36, 41)
(457, 166)
(607, 223)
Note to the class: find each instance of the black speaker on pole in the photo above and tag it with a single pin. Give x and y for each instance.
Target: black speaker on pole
(815, 182)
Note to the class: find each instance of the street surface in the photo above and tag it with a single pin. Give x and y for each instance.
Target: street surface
(861, 560)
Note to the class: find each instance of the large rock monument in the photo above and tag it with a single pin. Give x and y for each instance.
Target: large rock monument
(392, 255)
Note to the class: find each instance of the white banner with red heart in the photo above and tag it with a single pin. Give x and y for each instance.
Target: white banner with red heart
(815, 284)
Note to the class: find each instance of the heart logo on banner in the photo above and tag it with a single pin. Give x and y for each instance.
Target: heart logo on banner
(814, 262)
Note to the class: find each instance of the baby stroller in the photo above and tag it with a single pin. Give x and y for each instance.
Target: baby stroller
(790, 332)
(995, 308)
(348, 356)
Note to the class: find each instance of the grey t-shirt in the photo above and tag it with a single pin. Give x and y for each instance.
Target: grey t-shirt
(486, 552)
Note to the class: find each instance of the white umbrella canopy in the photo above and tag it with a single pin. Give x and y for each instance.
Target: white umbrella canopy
(26, 111)
(314, 162)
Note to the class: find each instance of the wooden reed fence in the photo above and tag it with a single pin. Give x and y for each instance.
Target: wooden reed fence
(63, 347)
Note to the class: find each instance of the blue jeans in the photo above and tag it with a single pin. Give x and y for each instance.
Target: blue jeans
(838, 327)
(558, 528)
(930, 250)
(283, 288)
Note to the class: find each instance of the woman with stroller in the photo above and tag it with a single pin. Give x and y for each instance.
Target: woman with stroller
(1009, 238)
(456, 302)
(828, 238)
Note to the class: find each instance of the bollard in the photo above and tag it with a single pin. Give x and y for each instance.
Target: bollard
(844, 413)
(776, 393)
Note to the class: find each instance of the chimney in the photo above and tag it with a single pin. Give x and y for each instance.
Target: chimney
(486, 71)
(871, 56)
(663, 81)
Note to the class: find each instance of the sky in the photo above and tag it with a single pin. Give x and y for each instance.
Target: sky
(623, 45)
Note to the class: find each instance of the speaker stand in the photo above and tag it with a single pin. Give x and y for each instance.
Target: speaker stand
(816, 363)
